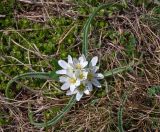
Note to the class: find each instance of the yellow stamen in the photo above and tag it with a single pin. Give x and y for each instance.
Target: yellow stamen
(72, 80)
(81, 87)
(81, 76)
(78, 66)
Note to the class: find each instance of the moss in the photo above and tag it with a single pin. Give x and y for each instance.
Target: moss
(29, 34)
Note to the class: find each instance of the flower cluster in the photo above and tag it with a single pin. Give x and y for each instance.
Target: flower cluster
(79, 76)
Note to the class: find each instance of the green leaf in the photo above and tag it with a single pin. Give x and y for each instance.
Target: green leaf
(89, 21)
(55, 64)
(120, 114)
(53, 121)
(40, 75)
(53, 75)
(118, 70)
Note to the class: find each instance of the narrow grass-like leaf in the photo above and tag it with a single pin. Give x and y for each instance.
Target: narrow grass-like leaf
(118, 70)
(88, 23)
(120, 114)
(53, 121)
(120, 121)
(54, 76)
(40, 75)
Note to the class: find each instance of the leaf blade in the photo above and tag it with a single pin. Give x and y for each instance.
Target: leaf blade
(40, 75)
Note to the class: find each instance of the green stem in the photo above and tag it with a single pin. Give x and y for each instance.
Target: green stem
(53, 121)
(40, 75)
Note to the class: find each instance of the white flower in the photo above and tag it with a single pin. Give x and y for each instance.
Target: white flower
(77, 77)
(79, 91)
(80, 63)
(93, 77)
(72, 65)
(67, 67)
(69, 81)
(81, 74)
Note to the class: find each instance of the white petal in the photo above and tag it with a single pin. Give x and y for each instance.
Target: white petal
(63, 79)
(65, 86)
(95, 68)
(94, 61)
(71, 93)
(70, 61)
(63, 64)
(99, 76)
(82, 58)
(72, 87)
(84, 64)
(86, 92)
(61, 72)
(75, 61)
(85, 73)
(70, 71)
(89, 86)
(96, 83)
(79, 96)
(70, 74)
(77, 83)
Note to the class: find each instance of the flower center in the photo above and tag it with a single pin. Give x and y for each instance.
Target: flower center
(90, 76)
(72, 80)
(70, 70)
(81, 87)
(78, 66)
(81, 76)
